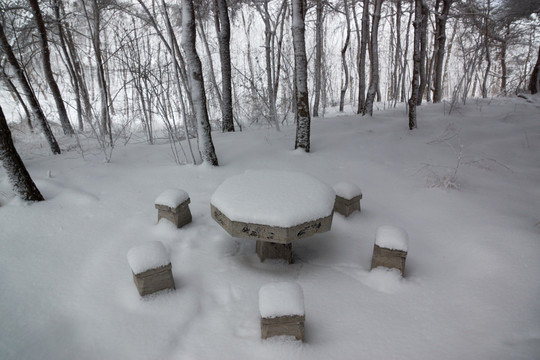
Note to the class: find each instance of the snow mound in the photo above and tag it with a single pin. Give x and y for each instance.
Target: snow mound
(347, 190)
(172, 198)
(147, 256)
(281, 299)
(392, 237)
(274, 198)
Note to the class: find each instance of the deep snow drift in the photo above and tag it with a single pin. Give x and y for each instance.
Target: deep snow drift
(472, 284)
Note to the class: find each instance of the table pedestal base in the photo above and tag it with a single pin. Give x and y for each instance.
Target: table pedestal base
(269, 250)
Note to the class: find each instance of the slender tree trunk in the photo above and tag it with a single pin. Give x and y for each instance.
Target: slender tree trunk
(362, 58)
(440, 49)
(416, 67)
(49, 77)
(344, 57)
(223, 29)
(504, 47)
(487, 51)
(534, 83)
(374, 58)
(206, 146)
(17, 97)
(405, 57)
(318, 56)
(28, 92)
(69, 64)
(303, 121)
(18, 176)
(423, 53)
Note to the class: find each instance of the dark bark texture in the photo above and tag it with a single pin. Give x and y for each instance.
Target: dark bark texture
(17, 174)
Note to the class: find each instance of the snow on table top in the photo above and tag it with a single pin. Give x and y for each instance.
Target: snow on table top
(392, 237)
(172, 198)
(274, 198)
(147, 256)
(347, 190)
(281, 299)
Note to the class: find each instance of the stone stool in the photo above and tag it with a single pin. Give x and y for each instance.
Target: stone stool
(151, 268)
(281, 307)
(173, 205)
(348, 197)
(390, 250)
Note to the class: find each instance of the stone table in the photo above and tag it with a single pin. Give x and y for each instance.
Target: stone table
(274, 208)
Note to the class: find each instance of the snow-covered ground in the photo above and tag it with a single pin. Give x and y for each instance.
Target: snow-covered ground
(472, 278)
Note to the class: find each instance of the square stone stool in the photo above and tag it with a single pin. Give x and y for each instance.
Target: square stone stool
(390, 249)
(151, 268)
(348, 197)
(270, 250)
(173, 205)
(281, 307)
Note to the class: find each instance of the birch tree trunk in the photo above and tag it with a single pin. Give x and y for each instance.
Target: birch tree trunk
(303, 121)
(423, 52)
(18, 176)
(318, 56)
(440, 49)
(374, 59)
(195, 75)
(47, 70)
(344, 57)
(362, 58)
(28, 92)
(416, 64)
(223, 29)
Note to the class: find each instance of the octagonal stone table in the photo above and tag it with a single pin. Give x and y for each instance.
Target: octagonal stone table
(274, 208)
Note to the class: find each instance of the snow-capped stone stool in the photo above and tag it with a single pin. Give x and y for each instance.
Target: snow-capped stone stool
(173, 205)
(151, 267)
(390, 250)
(348, 197)
(274, 208)
(281, 307)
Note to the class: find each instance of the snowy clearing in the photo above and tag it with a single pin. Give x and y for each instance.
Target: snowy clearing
(472, 275)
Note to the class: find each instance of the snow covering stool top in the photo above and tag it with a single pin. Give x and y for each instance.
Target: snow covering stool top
(274, 198)
(172, 198)
(281, 299)
(392, 237)
(347, 190)
(147, 256)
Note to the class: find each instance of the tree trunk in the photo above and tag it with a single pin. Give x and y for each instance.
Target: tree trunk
(318, 55)
(416, 61)
(362, 58)
(439, 51)
(49, 77)
(534, 83)
(374, 58)
(206, 146)
(17, 97)
(28, 92)
(18, 176)
(303, 121)
(423, 52)
(487, 51)
(223, 29)
(344, 57)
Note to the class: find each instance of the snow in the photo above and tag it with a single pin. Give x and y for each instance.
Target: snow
(275, 198)
(472, 284)
(347, 190)
(150, 255)
(172, 198)
(392, 237)
(281, 299)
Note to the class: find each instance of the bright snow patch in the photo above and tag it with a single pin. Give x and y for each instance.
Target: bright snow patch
(347, 190)
(281, 299)
(148, 256)
(392, 237)
(172, 198)
(274, 198)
